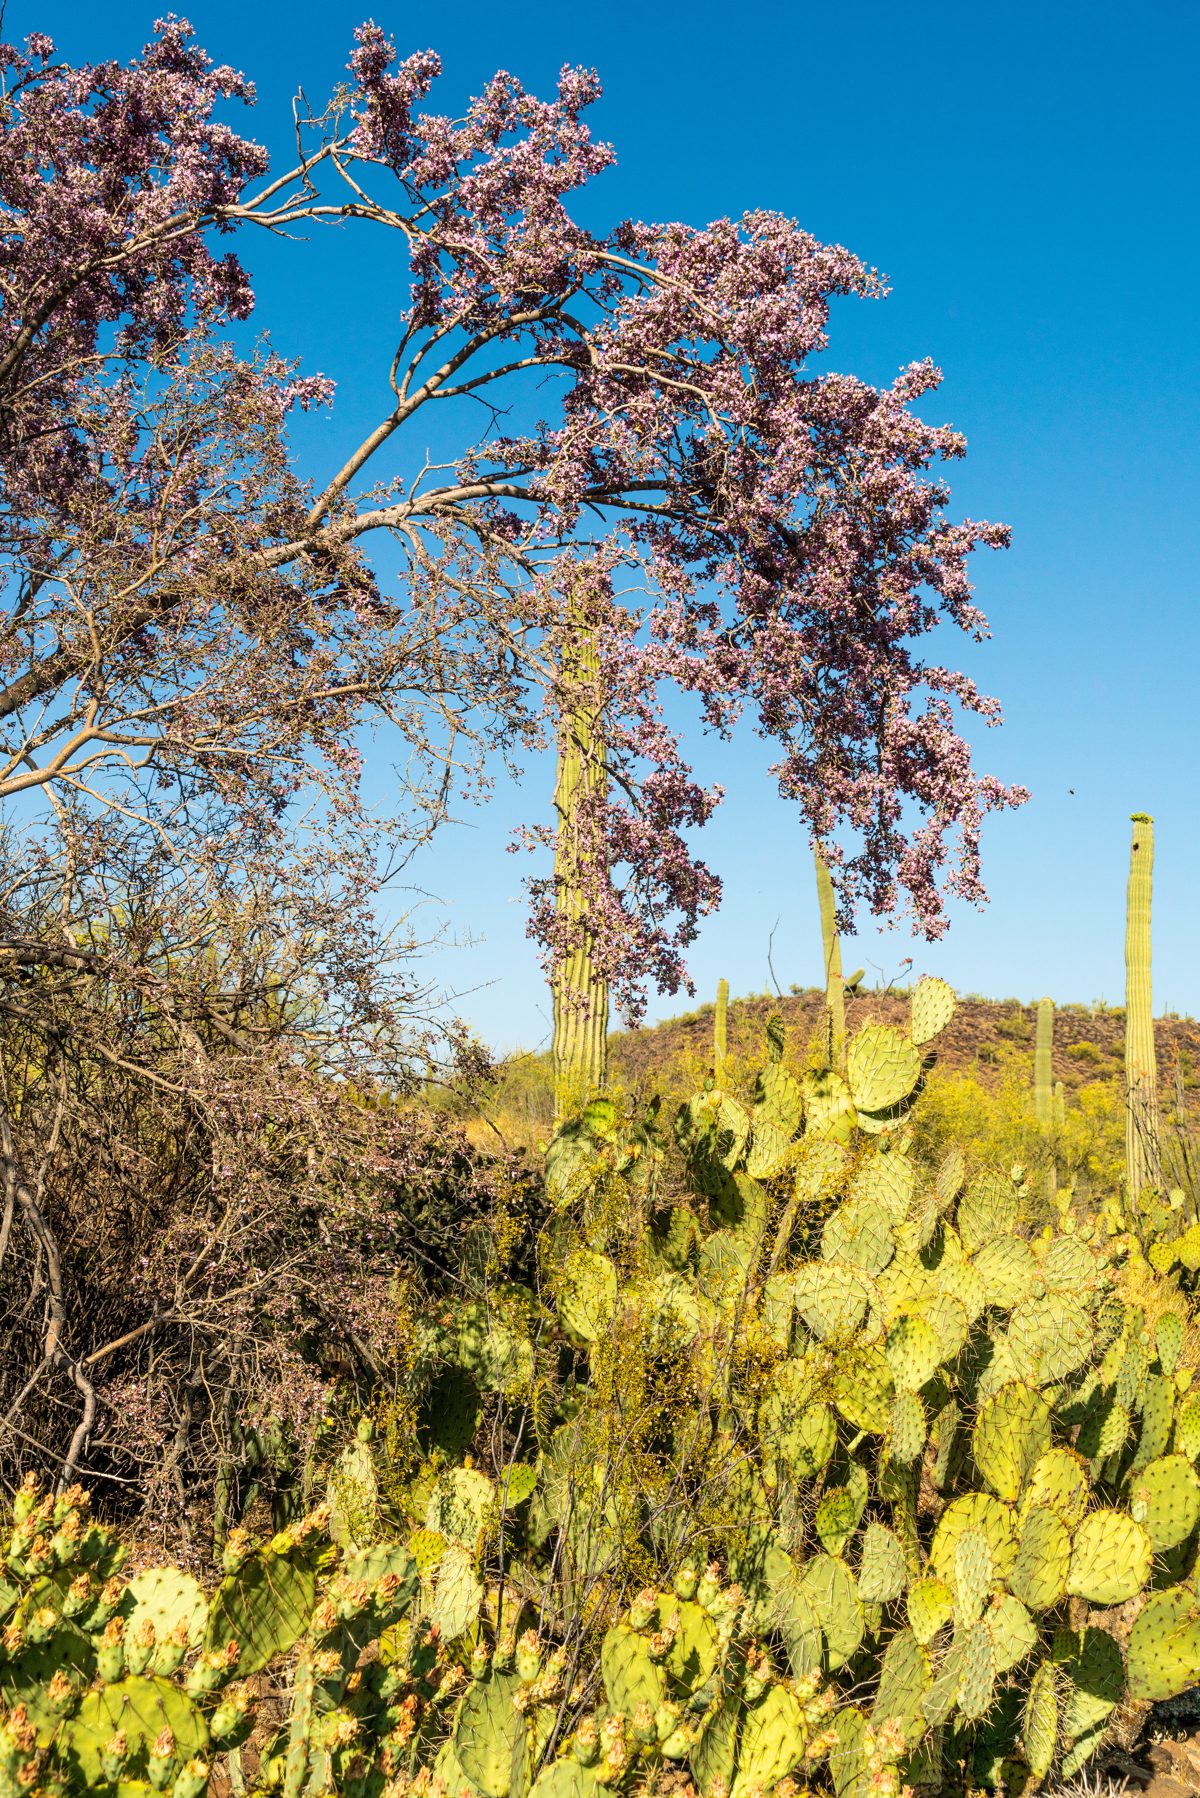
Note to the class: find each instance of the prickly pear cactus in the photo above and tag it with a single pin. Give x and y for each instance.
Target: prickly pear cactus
(140, 1687)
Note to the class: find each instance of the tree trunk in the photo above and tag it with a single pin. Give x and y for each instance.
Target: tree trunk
(580, 1048)
(1142, 1167)
(835, 990)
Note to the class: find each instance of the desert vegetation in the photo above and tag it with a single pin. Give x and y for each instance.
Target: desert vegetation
(797, 1397)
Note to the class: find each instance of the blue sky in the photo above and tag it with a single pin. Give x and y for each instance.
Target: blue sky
(1025, 176)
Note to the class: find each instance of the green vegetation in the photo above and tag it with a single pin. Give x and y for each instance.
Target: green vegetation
(793, 1445)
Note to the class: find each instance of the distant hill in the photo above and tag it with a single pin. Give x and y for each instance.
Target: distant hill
(985, 1038)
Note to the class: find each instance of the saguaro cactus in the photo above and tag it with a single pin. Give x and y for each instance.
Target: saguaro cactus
(1043, 1052)
(835, 992)
(720, 1035)
(1043, 1084)
(1141, 1073)
(579, 989)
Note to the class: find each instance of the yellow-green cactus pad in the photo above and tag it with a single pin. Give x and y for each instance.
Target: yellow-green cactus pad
(882, 1067)
(1165, 1497)
(1111, 1557)
(932, 1007)
(1011, 1432)
(974, 1511)
(1059, 1478)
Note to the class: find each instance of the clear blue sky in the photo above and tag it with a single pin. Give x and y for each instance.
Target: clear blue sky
(1026, 176)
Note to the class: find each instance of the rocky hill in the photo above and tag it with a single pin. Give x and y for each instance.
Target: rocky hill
(985, 1037)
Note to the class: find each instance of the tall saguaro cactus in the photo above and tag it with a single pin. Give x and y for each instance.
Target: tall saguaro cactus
(579, 988)
(835, 992)
(1142, 1167)
(721, 1035)
(1043, 1064)
(1044, 1099)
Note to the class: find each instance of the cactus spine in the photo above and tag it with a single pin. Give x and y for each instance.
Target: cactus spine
(579, 988)
(835, 993)
(720, 1036)
(1141, 1076)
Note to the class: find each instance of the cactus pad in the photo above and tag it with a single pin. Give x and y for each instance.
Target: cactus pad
(932, 1007)
(859, 1232)
(1014, 1632)
(168, 1598)
(882, 1067)
(630, 1676)
(832, 1590)
(949, 1318)
(1187, 1428)
(1168, 1340)
(1059, 1478)
(457, 1592)
(1165, 1497)
(974, 1511)
(1110, 1558)
(1049, 1338)
(1040, 1722)
(914, 1352)
(587, 1299)
(1011, 1433)
(774, 1738)
(1068, 1266)
(887, 1179)
(141, 1708)
(909, 1428)
(831, 1298)
(904, 1680)
(973, 1575)
(828, 1107)
(977, 1675)
(987, 1209)
(863, 1389)
(930, 1607)
(1007, 1268)
(882, 1573)
(265, 1606)
(1039, 1573)
(837, 1519)
(1164, 1646)
(486, 1731)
